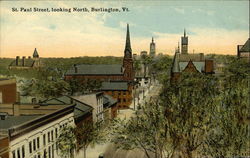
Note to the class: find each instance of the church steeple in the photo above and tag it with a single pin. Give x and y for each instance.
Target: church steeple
(152, 39)
(184, 32)
(128, 45)
(35, 54)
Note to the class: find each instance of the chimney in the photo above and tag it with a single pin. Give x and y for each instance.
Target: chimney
(75, 67)
(29, 57)
(23, 61)
(17, 58)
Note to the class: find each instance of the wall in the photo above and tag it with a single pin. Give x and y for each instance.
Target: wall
(8, 91)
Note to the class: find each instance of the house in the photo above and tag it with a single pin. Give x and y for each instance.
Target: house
(121, 91)
(33, 135)
(110, 108)
(243, 51)
(95, 100)
(26, 63)
(205, 66)
(8, 91)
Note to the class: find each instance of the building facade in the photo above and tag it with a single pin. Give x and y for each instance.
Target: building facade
(152, 48)
(34, 136)
(8, 91)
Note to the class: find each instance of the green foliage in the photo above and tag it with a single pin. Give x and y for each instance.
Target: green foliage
(66, 142)
(145, 131)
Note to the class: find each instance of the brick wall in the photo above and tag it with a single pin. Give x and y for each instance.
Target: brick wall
(8, 91)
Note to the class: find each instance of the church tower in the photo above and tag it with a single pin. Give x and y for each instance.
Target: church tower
(184, 43)
(36, 59)
(152, 48)
(128, 60)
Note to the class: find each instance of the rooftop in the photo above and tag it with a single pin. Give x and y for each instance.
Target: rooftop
(95, 70)
(114, 86)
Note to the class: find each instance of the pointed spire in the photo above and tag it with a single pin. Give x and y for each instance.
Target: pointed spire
(178, 47)
(175, 66)
(152, 39)
(184, 32)
(128, 45)
(35, 54)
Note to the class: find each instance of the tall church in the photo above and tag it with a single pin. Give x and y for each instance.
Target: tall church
(127, 59)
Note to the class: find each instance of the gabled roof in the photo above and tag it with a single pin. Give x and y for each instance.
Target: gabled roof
(85, 69)
(246, 46)
(198, 65)
(114, 86)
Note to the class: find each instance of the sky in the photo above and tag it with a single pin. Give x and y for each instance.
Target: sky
(212, 27)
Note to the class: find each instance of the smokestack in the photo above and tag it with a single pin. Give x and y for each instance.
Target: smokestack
(17, 58)
(23, 61)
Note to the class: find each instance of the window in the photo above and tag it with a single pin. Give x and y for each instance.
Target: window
(56, 132)
(53, 151)
(30, 147)
(124, 100)
(49, 151)
(44, 140)
(13, 154)
(23, 151)
(52, 135)
(44, 153)
(34, 144)
(119, 100)
(38, 142)
(48, 137)
(18, 153)
(124, 92)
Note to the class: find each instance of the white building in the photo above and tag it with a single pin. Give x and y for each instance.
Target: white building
(34, 136)
(96, 101)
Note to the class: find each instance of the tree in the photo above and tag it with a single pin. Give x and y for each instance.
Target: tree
(89, 134)
(145, 131)
(188, 111)
(66, 142)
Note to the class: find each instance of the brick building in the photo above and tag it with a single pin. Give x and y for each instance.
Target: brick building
(8, 91)
(104, 73)
(190, 63)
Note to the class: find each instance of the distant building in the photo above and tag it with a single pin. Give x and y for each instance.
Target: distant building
(110, 108)
(178, 66)
(122, 91)
(184, 43)
(33, 135)
(8, 91)
(26, 63)
(243, 51)
(143, 54)
(152, 48)
(185, 62)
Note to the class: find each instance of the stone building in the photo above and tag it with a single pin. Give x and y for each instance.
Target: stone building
(26, 63)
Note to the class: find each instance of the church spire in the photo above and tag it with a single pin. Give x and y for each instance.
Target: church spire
(35, 54)
(184, 32)
(128, 45)
(152, 39)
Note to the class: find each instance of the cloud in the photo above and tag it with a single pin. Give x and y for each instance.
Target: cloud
(179, 10)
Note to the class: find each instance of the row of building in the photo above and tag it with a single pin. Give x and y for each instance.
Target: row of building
(31, 129)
